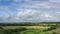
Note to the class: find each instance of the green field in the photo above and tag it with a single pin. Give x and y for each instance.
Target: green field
(36, 29)
(30, 29)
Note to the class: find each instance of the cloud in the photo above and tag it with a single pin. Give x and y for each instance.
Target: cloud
(32, 15)
(21, 1)
(36, 5)
(17, 0)
(6, 9)
(27, 11)
(55, 1)
(36, 15)
(7, 15)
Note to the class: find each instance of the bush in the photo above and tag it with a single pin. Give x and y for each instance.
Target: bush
(45, 30)
(54, 33)
(19, 29)
(46, 33)
(11, 31)
(51, 28)
(1, 28)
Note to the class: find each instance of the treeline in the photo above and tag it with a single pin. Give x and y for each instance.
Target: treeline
(30, 24)
(19, 24)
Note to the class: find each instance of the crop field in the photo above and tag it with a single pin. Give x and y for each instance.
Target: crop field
(28, 27)
(32, 29)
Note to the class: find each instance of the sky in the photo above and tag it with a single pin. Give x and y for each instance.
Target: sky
(29, 10)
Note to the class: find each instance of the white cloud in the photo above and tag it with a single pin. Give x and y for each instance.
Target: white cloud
(6, 16)
(17, 0)
(55, 1)
(4, 8)
(1, 15)
(30, 14)
(36, 15)
(37, 5)
(7, 0)
(22, 0)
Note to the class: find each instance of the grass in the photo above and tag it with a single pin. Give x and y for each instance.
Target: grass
(28, 27)
(33, 29)
(34, 32)
(56, 30)
(28, 33)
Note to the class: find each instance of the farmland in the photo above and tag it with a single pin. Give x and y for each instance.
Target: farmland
(30, 28)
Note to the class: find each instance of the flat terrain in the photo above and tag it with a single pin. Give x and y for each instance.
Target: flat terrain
(56, 30)
(35, 27)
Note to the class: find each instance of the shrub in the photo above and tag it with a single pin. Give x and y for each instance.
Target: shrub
(19, 29)
(51, 28)
(1, 28)
(45, 30)
(46, 33)
(54, 33)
